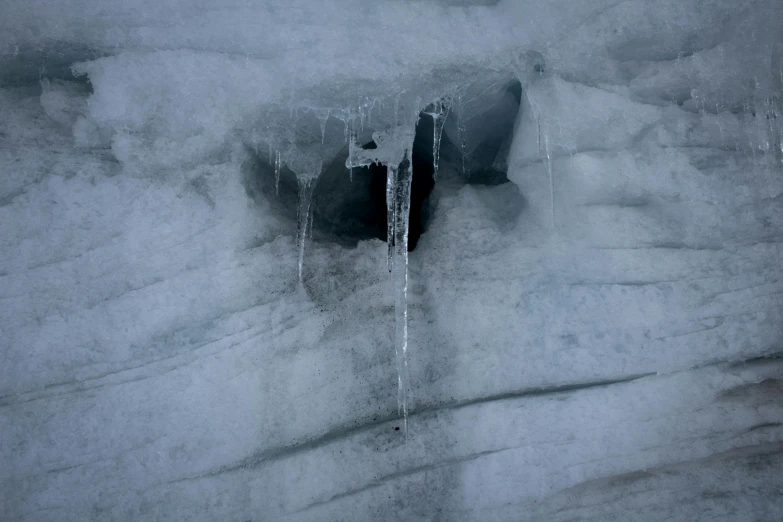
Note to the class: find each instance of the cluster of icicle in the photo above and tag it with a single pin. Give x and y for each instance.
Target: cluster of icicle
(394, 147)
(394, 143)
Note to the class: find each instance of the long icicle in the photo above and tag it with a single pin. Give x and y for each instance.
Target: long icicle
(303, 217)
(461, 132)
(398, 199)
(441, 111)
(323, 120)
(548, 162)
(351, 138)
(546, 157)
(278, 167)
(391, 180)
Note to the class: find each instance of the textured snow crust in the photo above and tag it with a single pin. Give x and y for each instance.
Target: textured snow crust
(598, 338)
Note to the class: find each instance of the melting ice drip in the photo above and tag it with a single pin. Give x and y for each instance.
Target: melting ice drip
(393, 149)
(440, 110)
(304, 214)
(297, 138)
(323, 117)
(398, 201)
(278, 167)
(304, 218)
(461, 136)
(544, 140)
(544, 152)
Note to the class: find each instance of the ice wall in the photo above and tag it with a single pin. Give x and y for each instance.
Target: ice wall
(597, 338)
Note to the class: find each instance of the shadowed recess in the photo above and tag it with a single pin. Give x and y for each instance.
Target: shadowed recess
(350, 206)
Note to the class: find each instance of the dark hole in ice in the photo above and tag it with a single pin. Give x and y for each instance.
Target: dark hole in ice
(488, 136)
(348, 208)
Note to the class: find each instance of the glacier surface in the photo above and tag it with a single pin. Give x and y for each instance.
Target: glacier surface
(454, 260)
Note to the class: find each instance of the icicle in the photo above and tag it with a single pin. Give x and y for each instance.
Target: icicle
(391, 177)
(750, 134)
(765, 146)
(718, 119)
(396, 108)
(439, 114)
(353, 147)
(773, 131)
(546, 157)
(310, 226)
(393, 149)
(303, 218)
(548, 161)
(461, 137)
(278, 167)
(777, 133)
(398, 200)
(538, 123)
(323, 121)
(271, 155)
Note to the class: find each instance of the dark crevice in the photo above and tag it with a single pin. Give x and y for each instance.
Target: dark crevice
(487, 139)
(347, 206)
(351, 207)
(356, 210)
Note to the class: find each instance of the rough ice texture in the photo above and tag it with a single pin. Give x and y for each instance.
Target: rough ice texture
(160, 359)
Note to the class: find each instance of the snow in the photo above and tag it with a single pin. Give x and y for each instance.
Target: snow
(596, 338)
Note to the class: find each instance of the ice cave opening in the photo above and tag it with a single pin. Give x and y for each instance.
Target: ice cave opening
(349, 205)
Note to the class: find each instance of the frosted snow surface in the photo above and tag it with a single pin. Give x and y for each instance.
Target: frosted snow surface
(197, 316)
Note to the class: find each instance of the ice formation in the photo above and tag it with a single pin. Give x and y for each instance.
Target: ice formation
(201, 320)
(393, 148)
(440, 110)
